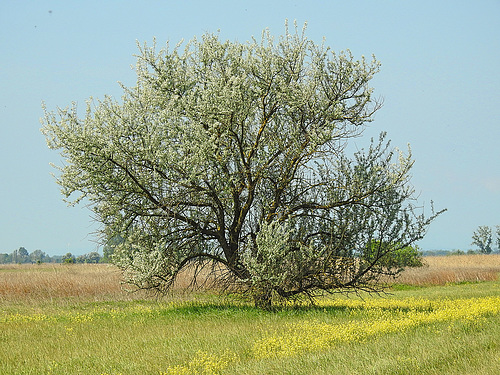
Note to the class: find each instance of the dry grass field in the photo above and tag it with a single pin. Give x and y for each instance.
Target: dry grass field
(29, 283)
(100, 282)
(76, 319)
(441, 270)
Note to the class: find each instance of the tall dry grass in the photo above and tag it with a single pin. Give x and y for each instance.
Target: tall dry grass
(441, 270)
(32, 282)
(101, 282)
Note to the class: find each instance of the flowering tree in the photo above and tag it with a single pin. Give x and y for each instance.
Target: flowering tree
(233, 155)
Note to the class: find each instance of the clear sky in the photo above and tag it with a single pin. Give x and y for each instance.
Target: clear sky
(440, 82)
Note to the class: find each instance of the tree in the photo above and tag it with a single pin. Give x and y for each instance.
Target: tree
(109, 248)
(482, 239)
(38, 256)
(20, 255)
(498, 237)
(5, 258)
(68, 258)
(407, 256)
(234, 156)
(92, 257)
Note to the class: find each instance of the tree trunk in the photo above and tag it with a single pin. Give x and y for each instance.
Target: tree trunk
(263, 299)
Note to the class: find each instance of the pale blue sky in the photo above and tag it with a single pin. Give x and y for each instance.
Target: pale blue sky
(439, 79)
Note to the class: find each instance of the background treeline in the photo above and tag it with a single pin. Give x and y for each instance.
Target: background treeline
(432, 253)
(484, 238)
(22, 255)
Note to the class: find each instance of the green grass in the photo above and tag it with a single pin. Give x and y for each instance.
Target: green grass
(220, 334)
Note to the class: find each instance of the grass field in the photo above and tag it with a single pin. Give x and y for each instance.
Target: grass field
(75, 319)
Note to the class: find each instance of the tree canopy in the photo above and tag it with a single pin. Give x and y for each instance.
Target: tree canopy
(482, 238)
(233, 155)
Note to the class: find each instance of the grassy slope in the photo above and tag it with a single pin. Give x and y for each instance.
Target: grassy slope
(117, 335)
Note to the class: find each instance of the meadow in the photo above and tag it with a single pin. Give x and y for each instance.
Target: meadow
(443, 318)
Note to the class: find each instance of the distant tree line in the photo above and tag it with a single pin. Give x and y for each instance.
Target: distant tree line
(433, 253)
(486, 240)
(22, 255)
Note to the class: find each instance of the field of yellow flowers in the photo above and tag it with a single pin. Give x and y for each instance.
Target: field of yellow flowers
(440, 329)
